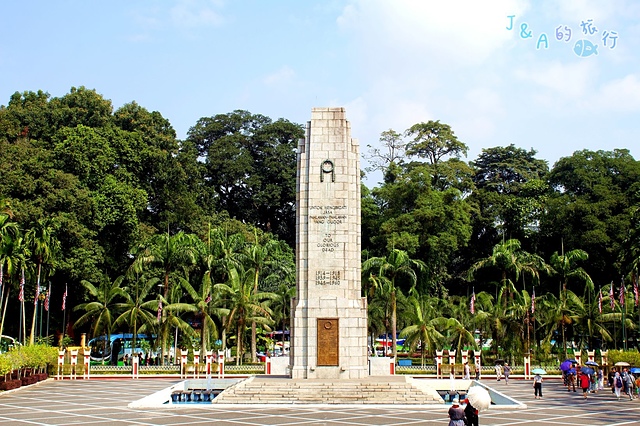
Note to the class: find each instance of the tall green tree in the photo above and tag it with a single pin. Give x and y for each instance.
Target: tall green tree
(386, 274)
(101, 310)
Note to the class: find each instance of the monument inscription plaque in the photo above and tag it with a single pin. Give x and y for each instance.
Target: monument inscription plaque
(328, 253)
(328, 336)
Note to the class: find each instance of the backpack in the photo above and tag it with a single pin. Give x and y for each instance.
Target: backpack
(618, 382)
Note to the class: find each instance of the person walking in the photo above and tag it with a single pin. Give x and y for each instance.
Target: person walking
(507, 371)
(498, 372)
(467, 371)
(470, 413)
(600, 379)
(571, 381)
(456, 414)
(628, 381)
(537, 386)
(617, 384)
(584, 382)
(478, 370)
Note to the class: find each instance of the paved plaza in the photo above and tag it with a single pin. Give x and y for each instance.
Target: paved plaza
(104, 402)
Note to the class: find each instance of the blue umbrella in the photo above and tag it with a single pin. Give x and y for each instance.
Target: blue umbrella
(634, 370)
(587, 370)
(565, 365)
(571, 371)
(538, 371)
(573, 361)
(595, 364)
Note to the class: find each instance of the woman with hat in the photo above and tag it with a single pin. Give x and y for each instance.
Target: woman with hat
(456, 413)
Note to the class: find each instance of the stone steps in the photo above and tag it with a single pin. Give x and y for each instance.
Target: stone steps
(288, 391)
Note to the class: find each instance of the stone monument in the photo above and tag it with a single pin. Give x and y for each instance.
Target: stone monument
(329, 314)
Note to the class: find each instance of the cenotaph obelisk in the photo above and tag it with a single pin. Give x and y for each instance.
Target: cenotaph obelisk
(329, 314)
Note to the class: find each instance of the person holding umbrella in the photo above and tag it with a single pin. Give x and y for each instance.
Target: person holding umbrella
(471, 413)
(583, 380)
(537, 383)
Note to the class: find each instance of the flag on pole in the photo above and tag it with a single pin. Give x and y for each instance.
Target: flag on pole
(472, 304)
(533, 301)
(47, 299)
(21, 294)
(1, 273)
(635, 288)
(35, 299)
(621, 295)
(64, 299)
(612, 298)
(600, 301)
(159, 310)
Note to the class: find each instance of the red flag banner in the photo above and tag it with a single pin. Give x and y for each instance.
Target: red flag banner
(612, 297)
(64, 299)
(48, 298)
(21, 294)
(35, 299)
(621, 295)
(533, 301)
(600, 302)
(635, 288)
(159, 310)
(472, 304)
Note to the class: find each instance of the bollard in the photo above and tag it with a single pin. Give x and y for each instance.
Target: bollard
(196, 364)
(220, 364)
(135, 366)
(74, 363)
(183, 364)
(87, 361)
(60, 364)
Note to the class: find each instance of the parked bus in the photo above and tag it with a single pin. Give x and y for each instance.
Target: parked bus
(117, 346)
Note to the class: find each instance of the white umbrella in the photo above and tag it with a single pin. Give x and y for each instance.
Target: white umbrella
(622, 364)
(479, 398)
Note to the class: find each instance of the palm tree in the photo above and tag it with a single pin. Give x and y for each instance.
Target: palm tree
(138, 311)
(206, 305)
(102, 310)
(168, 252)
(256, 257)
(14, 255)
(282, 306)
(565, 267)
(424, 325)
(44, 246)
(244, 304)
(384, 273)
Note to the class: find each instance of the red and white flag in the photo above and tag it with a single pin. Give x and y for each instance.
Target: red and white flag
(472, 304)
(600, 301)
(1, 273)
(612, 298)
(533, 301)
(21, 294)
(35, 299)
(47, 299)
(64, 299)
(159, 310)
(635, 288)
(621, 295)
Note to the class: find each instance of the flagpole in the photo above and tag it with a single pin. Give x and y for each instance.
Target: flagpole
(48, 308)
(623, 309)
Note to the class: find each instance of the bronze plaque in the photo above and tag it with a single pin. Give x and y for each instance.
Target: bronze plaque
(328, 336)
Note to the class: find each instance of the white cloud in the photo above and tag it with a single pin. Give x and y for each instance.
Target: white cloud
(619, 95)
(572, 80)
(283, 75)
(461, 30)
(195, 13)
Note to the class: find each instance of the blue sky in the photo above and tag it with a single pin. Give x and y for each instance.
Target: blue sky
(391, 63)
